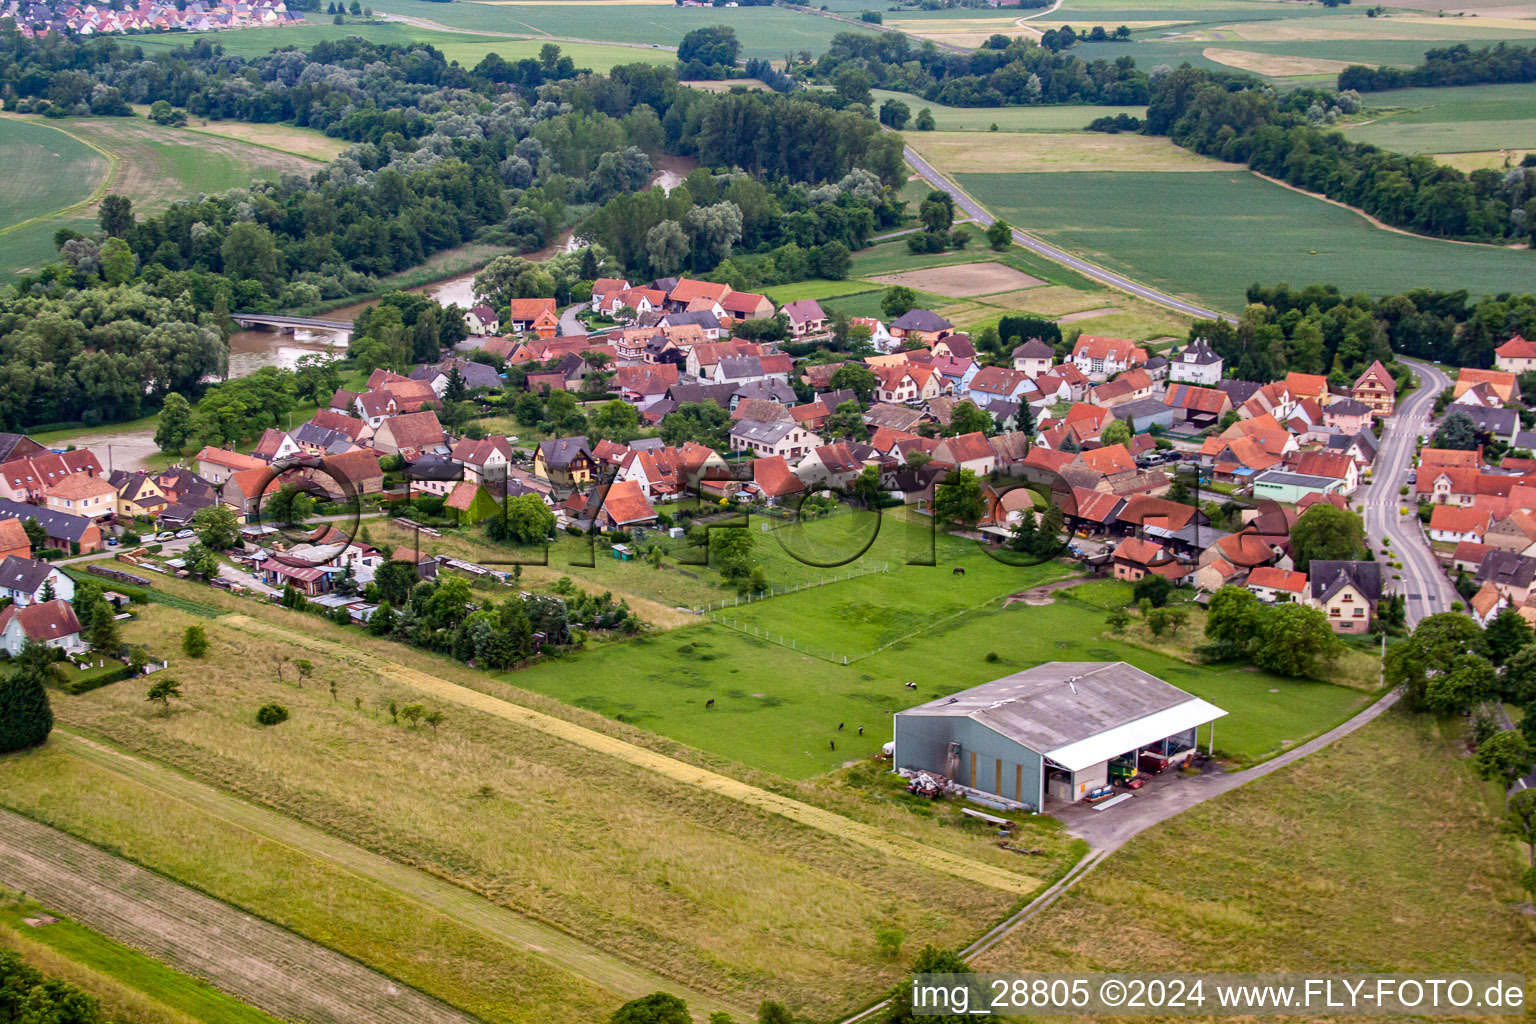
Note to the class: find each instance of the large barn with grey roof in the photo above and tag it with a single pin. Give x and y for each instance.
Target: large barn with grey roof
(1048, 733)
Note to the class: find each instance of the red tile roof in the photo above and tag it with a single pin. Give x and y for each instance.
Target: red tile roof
(1278, 579)
(43, 621)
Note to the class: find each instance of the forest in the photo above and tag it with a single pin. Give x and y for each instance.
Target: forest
(1240, 119)
(1452, 65)
(1003, 71)
(139, 308)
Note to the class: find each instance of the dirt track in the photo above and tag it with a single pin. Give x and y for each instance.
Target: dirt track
(260, 963)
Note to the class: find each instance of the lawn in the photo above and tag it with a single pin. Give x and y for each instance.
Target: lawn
(785, 719)
(134, 988)
(1380, 853)
(1201, 243)
(1452, 120)
(47, 171)
(699, 887)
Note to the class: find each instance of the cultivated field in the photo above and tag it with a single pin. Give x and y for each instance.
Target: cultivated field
(967, 153)
(1379, 853)
(640, 855)
(254, 960)
(1066, 117)
(304, 142)
(47, 171)
(963, 281)
(1274, 65)
(1201, 243)
(1452, 120)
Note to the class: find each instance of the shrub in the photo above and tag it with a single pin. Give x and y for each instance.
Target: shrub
(26, 718)
(991, 657)
(271, 714)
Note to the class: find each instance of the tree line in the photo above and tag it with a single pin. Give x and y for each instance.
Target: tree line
(1242, 120)
(1451, 65)
(1003, 72)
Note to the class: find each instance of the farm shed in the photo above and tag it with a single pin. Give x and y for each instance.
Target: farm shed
(1049, 732)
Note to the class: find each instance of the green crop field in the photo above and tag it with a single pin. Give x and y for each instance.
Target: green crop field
(764, 31)
(1056, 118)
(1216, 233)
(46, 171)
(466, 48)
(1451, 120)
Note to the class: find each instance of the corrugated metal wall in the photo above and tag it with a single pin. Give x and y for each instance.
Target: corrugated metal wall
(1002, 766)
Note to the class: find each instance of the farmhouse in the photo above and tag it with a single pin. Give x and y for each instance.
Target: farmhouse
(1049, 733)
(1377, 389)
(482, 320)
(1101, 358)
(1516, 355)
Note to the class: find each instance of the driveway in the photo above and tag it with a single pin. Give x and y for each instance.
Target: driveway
(569, 325)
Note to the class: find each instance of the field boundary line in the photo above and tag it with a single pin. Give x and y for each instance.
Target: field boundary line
(1372, 221)
(836, 825)
(106, 182)
(259, 145)
(439, 895)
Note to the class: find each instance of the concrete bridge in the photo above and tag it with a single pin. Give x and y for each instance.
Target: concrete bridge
(289, 324)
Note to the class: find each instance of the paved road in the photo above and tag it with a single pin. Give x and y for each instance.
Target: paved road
(569, 325)
(1427, 588)
(264, 965)
(1082, 266)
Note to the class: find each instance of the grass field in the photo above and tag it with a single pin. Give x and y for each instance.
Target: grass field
(133, 988)
(150, 164)
(1201, 242)
(1380, 853)
(764, 31)
(466, 48)
(1452, 120)
(1054, 118)
(643, 866)
(47, 171)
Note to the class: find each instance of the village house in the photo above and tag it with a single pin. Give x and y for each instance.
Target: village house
(1277, 586)
(51, 623)
(625, 507)
(747, 306)
(774, 480)
(28, 478)
(1033, 358)
(880, 338)
(1516, 355)
(919, 326)
(1197, 363)
(411, 435)
(482, 320)
(1101, 358)
(829, 465)
(1347, 592)
(1485, 604)
(907, 384)
(30, 581)
(13, 539)
(217, 465)
(1134, 558)
(565, 462)
(1503, 386)
(1377, 389)
(966, 451)
(805, 317)
(63, 530)
(1511, 573)
(1452, 525)
(1515, 532)
(992, 384)
(1197, 407)
(82, 494)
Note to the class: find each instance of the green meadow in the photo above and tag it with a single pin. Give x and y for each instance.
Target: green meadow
(1215, 233)
(1450, 120)
(47, 171)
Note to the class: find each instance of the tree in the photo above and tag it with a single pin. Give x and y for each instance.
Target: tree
(895, 114)
(103, 635)
(1469, 681)
(1519, 682)
(174, 426)
(771, 1012)
(26, 718)
(37, 537)
(1115, 433)
(395, 581)
(1439, 642)
(1233, 616)
(161, 693)
(656, 1008)
(117, 261)
(730, 551)
(1503, 757)
(1326, 532)
(1506, 635)
(897, 300)
(937, 211)
(847, 422)
(1167, 620)
(217, 527)
(867, 486)
(115, 215)
(1154, 588)
(194, 642)
(616, 421)
(968, 418)
(712, 46)
(999, 235)
(925, 121)
(1294, 640)
(528, 519)
(1117, 620)
(290, 505)
(250, 253)
(931, 960)
(271, 714)
(666, 247)
(856, 377)
(1520, 820)
(413, 714)
(1457, 431)
(958, 499)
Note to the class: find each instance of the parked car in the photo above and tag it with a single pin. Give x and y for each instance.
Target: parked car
(184, 534)
(164, 536)
(111, 542)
